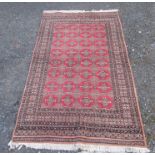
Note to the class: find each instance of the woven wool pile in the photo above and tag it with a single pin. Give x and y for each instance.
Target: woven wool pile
(80, 91)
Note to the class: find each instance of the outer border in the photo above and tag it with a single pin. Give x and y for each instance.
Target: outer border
(133, 79)
(78, 11)
(106, 147)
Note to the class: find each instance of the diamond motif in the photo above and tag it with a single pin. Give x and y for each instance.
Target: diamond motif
(86, 52)
(58, 43)
(68, 86)
(71, 34)
(86, 86)
(70, 62)
(86, 101)
(86, 62)
(105, 102)
(69, 73)
(86, 74)
(99, 34)
(101, 52)
(100, 43)
(50, 101)
(85, 34)
(104, 87)
(103, 74)
(53, 73)
(56, 52)
(102, 62)
(85, 43)
(71, 43)
(67, 100)
(51, 86)
(55, 62)
(58, 35)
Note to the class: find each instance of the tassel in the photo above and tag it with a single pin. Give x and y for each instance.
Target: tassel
(78, 11)
(76, 147)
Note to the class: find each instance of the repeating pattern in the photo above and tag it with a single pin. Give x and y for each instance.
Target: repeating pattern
(80, 86)
(79, 68)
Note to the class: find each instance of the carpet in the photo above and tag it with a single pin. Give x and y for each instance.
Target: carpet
(80, 91)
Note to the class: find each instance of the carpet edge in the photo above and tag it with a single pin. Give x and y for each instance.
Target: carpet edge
(76, 11)
(133, 79)
(77, 147)
(32, 145)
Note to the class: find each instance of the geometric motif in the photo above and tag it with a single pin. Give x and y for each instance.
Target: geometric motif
(80, 87)
(93, 53)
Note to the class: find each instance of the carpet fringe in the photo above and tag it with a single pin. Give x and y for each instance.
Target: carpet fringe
(76, 147)
(76, 11)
